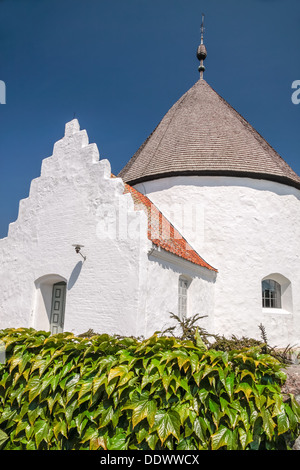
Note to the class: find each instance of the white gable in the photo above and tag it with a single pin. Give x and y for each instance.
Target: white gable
(116, 286)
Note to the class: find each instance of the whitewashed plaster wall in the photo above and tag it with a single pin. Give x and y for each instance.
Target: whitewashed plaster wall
(116, 289)
(73, 201)
(164, 271)
(248, 229)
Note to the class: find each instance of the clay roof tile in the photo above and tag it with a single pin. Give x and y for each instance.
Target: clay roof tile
(161, 232)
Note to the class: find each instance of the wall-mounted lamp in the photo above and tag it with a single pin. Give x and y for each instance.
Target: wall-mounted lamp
(78, 248)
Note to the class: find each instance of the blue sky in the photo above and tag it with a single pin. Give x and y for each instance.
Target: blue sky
(120, 65)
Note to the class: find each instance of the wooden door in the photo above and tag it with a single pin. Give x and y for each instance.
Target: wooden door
(58, 308)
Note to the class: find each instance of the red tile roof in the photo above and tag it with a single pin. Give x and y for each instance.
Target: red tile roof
(162, 233)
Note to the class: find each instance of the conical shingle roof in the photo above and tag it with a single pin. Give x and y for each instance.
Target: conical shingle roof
(203, 135)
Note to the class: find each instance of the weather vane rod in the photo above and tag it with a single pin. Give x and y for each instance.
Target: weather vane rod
(202, 28)
(201, 51)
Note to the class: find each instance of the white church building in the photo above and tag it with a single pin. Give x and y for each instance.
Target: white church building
(204, 219)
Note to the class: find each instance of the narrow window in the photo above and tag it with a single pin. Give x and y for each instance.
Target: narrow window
(58, 308)
(271, 294)
(182, 298)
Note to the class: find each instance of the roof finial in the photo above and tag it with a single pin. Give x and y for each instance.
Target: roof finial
(201, 51)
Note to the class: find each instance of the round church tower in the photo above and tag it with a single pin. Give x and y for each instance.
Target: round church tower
(236, 201)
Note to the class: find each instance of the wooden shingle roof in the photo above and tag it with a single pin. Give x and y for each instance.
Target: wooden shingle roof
(203, 135)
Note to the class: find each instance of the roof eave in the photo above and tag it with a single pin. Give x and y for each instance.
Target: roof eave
(238, 174)
(162, 254)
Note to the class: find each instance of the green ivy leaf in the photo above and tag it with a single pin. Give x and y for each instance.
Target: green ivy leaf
(41, 428)
(152, 440)
(199, 428)
(223, 437)
(33, 413)
(71, 407)
(229, 384)
(21, 426)
(142, 407)
(245, 437)
(60, 428)
(85, 388)
(166, 423)
(97, 382)
(199, 342)
(3, 438)
(91, 432)
(35, 391)
(182, 358)
(295, 406)
(268, 423)
(293, 420)
(183, 410)
(81, 421)
(283, 422)
(118, 442)
(245, 388)
(119, 371)
(247, 372)
(106, 416)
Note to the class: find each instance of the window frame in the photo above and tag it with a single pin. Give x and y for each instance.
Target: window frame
(183, 297)
(273, 297)
(285, 306)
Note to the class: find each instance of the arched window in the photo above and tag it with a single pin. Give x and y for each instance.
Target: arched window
(277, 294)
(271, 294)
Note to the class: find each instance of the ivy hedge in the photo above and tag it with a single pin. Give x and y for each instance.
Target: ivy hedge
(102, 392)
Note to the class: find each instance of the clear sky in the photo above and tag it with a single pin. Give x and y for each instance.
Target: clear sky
(119, 65)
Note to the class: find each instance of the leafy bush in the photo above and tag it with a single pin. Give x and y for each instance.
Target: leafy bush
(102, 392)
(187, 328)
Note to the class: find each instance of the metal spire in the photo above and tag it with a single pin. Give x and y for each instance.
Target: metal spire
(201, 51)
